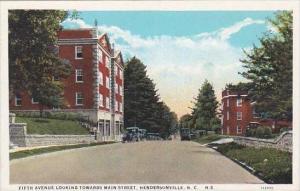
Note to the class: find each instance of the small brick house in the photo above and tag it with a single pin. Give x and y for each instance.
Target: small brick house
(95, 86)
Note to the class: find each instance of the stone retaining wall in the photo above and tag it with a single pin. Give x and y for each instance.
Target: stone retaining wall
(284, 142)
(19, 137)
(42, 140)
(17, 133)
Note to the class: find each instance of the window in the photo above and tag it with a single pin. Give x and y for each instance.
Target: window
(117, 127)
(121, 74)
(116, 106)
(107, 82)
(238, 129)
(101, 126)
(239, 115)
(120, 107)
(34, 101)
(78, 52)
(227, 115)
(107, 102)
(239, 102)
(79, 98)
(227, 102)
(101, 100)
(107, 127)
(107, 62)
(116, 88)
(18, 100)
(228, 130)
(101, 77)
(100, 55)
(121, 91)
(115, 70)
(79, 75)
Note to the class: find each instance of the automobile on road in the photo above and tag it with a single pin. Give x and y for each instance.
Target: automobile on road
(185, 134)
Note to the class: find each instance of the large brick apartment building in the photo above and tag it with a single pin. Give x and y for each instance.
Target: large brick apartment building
(95, 86)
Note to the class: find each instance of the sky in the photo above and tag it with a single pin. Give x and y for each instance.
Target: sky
(182, 48)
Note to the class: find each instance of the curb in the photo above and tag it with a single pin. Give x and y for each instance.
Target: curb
(12, 161)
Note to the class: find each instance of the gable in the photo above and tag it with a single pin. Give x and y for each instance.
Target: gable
(119, 59)
(104, 42)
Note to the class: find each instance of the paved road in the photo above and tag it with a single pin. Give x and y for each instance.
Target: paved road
(145, 162)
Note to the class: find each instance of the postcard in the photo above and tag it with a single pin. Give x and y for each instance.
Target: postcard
(150, 95)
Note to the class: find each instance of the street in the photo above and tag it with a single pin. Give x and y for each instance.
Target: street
(172, 162)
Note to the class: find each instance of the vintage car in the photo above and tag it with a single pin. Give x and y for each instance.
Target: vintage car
(185, 134)
(131, 134)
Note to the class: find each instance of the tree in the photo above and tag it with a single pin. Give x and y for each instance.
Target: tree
(185, 121)
(33, 58)
(269, 68)
(240, 87)
(142, 105)
(204, 114)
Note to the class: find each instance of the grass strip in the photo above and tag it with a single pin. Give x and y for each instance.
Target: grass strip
(271, 165)
(27, 153)
(42, 126)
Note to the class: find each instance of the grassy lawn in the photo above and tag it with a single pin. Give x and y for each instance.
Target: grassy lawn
(271, 165)
(209, 138)
(27, 153)
(52, 126)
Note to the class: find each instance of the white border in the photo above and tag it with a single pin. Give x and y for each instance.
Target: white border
(150, 5)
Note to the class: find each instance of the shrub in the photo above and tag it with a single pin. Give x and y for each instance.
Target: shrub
(267, 132)
(283, 129)
(250, 132)
(259, 133)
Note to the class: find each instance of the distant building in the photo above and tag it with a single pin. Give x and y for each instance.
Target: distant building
(95, 86)
(236, 112)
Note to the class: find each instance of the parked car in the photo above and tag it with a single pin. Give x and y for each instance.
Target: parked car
(131, 134)
(185, 134)
(142, 134)
(153, 136)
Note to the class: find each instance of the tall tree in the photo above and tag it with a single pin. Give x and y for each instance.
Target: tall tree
(269, 68)
(142, 106)
(204, 114)
(33, 58)
(185, 121)
(239, 87)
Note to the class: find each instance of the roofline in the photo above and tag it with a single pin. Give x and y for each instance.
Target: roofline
(80, 29)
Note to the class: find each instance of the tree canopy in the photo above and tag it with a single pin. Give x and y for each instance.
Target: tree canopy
(269, 68)
(204, 113)
(33, 56)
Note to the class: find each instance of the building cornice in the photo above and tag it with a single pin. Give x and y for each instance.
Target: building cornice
(234, 96)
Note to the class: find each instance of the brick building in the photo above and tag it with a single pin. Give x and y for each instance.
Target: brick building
(236, 112)
(95, 86)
